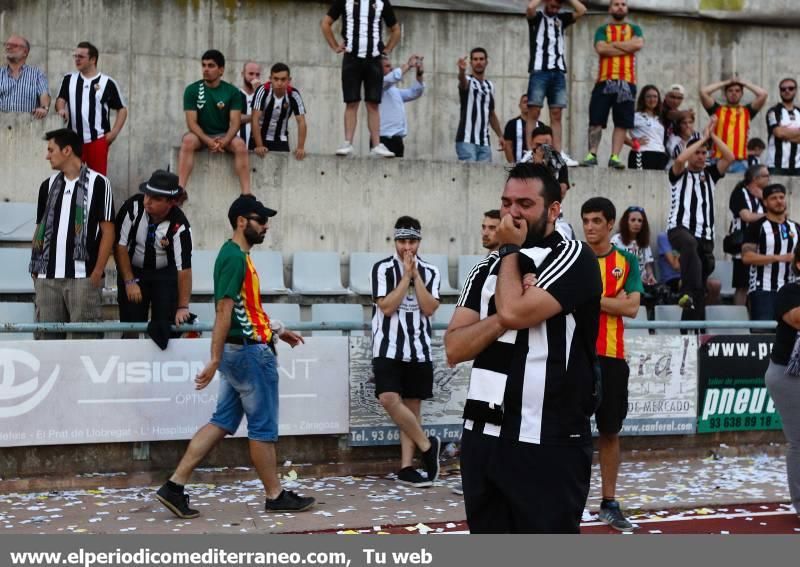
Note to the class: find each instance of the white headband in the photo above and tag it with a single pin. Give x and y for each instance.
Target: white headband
(407, 234)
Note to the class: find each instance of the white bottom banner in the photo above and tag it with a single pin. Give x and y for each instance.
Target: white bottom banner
(93, 391)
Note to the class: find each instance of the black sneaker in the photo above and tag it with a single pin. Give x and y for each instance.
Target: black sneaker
(288, 501)
(411, 477)
(176, 502)
(430, 458)
(612, 515)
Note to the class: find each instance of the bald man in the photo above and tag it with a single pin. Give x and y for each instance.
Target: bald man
(251, 80)
(22, 88)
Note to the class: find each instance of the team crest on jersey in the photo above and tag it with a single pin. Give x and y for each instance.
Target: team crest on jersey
(220, 105)
(617, 272)
(97, 87)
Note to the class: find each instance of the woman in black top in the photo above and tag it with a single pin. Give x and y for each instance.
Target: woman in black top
(783, 376)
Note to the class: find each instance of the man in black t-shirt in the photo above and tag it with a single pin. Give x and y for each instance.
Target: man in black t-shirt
(526, 445)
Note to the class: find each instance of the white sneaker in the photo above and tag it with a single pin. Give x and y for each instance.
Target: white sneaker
(345, 150)
(568, 160)
(381, 151)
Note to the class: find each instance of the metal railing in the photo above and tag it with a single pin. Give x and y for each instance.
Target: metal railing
(118, 327)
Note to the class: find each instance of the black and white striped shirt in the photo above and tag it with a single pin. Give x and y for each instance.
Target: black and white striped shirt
(514, 132)
(546, 37)
(782, 154)
(772, 239)
(21, 94)
(692, 202)
(153, 246)
(89, 100)
(477, 103)
(62, 262)
(542, 377)
(406, 335)
(277, 111)
(245, 131)
(742, 199)
(361, 28)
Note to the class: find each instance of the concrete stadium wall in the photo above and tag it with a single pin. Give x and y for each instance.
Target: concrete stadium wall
(350, 204)
(152, 49)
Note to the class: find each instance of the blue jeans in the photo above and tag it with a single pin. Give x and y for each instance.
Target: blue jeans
(550, 85)
(248, 386)
(762, 305)
(473, 152)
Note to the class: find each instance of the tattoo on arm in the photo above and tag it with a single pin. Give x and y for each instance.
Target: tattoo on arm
(749, 248)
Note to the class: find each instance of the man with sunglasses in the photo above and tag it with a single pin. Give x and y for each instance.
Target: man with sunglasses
(768, 249)
(242, 349)
(23, 88)
(154, 254)
(783, 127)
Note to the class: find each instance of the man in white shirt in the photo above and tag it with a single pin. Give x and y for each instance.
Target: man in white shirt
(394, 126)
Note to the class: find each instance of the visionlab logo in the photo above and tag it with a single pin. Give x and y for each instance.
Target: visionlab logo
(19, 396)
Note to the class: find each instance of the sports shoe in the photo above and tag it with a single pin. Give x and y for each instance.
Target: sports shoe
(176, 502)
(612, 515)
(411, 477)
(568, 161)
(686, 301)
(288, 501)
(345, 150)
(381, 151)
(615, 163)
(458, 490)
(590, 160)
(430, 458)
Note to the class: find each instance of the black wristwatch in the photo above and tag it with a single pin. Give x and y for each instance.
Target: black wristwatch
(507, 249)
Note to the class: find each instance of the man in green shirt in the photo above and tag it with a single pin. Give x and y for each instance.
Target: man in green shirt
(213, 109)
(242, 349)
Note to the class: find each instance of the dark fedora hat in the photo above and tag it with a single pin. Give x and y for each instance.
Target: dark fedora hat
(162, 183)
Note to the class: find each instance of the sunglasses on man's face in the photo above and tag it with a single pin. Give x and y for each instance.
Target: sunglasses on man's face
(787, 89)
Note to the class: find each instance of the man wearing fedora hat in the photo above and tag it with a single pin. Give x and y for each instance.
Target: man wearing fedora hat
(154, 253)
(242, 349)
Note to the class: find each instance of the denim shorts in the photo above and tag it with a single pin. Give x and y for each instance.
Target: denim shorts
(248, 386)
(473, 152)
(550, 85)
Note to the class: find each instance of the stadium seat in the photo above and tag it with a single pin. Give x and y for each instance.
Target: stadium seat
(668, 313)
(465, 263)
(17, 221)
(203, 271)
(443, 315)
(269, 265)
(723, 271)
(16, 277)
(338, 312)
(727, 313)
(361, 264)
(16, 312)
(440, 261)
(317, 273)
(640, 316)
(284, 312)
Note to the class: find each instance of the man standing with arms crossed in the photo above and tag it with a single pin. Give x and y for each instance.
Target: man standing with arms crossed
(242, 349)
(526, 448)
(622, 289)
(405, 289)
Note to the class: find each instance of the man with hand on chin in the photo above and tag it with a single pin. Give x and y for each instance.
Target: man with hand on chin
(526, 447)
(405, 289)
(242, 349)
